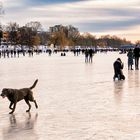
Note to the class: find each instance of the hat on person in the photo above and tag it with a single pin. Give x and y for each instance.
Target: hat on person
(119, 59)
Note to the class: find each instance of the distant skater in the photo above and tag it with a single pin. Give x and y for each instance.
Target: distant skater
(86, 55)
(118, 73)
(136, 57)
(130, 56)
(90, 55)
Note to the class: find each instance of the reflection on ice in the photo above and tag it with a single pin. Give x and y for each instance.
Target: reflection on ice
(118, 87)
(20, 129)
(118, 90)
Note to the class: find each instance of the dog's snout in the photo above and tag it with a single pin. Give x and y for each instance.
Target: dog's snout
(2, 95)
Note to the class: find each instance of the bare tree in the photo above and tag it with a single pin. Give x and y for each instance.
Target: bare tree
(35, 25)
(138, 42)
(1, 13)
(63, 35)
(44, 37)
(72, 35)
(33, 30)
(12, 29)
(59, 39)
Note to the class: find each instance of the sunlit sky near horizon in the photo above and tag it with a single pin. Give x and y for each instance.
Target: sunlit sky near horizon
(99, 17)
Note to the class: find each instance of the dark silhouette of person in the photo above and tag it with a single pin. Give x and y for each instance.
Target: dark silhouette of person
(86, 55)
(136, 56)
(118, 66)
(130, 56)
(90, 55)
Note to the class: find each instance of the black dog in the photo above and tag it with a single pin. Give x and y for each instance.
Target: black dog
(15, 95)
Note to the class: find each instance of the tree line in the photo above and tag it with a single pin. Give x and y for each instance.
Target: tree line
(33, 35)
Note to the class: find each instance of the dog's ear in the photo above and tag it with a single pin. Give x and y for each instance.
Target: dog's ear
(7, 91)
(4, 90)
(10, 91)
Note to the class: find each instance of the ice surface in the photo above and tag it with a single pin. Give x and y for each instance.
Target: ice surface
(77, 101)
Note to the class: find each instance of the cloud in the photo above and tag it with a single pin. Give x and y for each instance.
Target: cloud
(49, 2)
(104, 26)
(98, 16)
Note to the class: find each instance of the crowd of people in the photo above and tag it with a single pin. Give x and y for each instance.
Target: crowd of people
(132, 54)
(16, 52)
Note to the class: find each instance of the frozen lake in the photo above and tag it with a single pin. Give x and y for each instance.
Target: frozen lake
(77, 101)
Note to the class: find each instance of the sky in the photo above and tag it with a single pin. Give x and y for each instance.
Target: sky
(98, 17)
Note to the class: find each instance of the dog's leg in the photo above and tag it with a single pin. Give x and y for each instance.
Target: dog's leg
(10, 106)
(27, 101)
(35, 104)
(13, 108)
(31, 98)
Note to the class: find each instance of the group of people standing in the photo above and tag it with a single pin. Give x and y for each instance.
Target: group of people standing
(133, 58)
(88, 55)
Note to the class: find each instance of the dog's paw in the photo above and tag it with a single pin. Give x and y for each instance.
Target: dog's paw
(27, 110)
(11, 112)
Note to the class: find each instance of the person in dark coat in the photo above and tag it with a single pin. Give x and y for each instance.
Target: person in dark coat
(90, 55)
(136, 56)
(118, 66)
(130, 56)
(86, 55)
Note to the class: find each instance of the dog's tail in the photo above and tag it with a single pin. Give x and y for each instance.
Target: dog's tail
(34, 84)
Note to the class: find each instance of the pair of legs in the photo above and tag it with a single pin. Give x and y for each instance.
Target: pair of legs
(136, 63)
(130, 67)
(86, 59)
(90, 59)
(119, 76)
